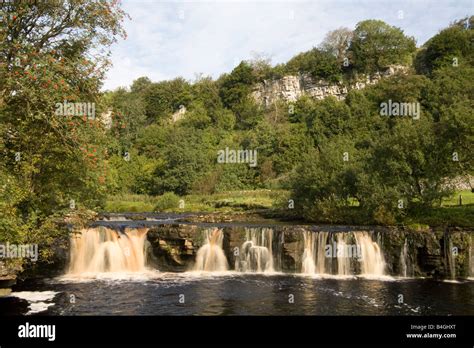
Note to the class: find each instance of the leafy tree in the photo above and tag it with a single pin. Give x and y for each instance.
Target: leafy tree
(237, 85)
(187, 155)
(375, 45)
(197, 117)
(337, 43)
(140, 85)
(327, 118)
(52, 52)
(319, 64)
(324, 182)
(453, 46)
(127, 116)
(164, 98)
(132, 173)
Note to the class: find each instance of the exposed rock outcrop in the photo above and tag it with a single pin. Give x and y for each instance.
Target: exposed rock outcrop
(290, 88)
(435, 253)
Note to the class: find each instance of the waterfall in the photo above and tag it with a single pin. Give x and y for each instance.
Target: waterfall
(256, 254)
(403, 257)
(98, 250)
(210, 257)
(320, 247)
(343, 263)
(448, 252)
(372, 262)
(308, 265)
(404, 260)
(332, 252)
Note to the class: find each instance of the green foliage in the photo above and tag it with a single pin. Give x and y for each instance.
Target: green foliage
(132, 173)
(327, 118)
(186, 156)
(397, 165)
(375, 45)
(164, 98)
(51, 158)
(319, 64)
(342, 160)
(453, 46)
(167, 201)
(236, 86)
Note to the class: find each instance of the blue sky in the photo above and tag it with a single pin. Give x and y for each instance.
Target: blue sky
(167, 39)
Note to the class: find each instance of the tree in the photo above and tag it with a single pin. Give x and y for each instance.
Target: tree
(337, 42)
(319, 64)
(236, 86)
(327, 118)
(50, 53)
(261, 65)
(140, 85)
(376, 45)
(452, 47)
(164, 98)
(127, 116)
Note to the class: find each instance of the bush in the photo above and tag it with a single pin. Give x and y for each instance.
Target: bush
(168, 200)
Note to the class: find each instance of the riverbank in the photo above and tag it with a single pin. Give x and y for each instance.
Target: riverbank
(278, 204)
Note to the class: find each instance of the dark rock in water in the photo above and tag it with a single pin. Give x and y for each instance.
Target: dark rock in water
(172, 247)
(10, 305)
(7, 282)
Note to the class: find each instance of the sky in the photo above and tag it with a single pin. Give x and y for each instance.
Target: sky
(169, 39)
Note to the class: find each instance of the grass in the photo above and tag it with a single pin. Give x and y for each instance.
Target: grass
(130, 203)
(467, 198)
(450, 213)
(462, 216)
(233, 201)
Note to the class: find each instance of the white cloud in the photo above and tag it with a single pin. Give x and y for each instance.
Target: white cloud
(167, 39)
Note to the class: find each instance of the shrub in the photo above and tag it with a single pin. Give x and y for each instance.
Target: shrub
(168, 200)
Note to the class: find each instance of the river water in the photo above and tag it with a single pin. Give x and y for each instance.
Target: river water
(244, 271)
(201, 293)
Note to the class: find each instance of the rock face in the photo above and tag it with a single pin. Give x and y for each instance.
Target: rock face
(178, 115)
(8, 275)
(425, 253)
(290, 88)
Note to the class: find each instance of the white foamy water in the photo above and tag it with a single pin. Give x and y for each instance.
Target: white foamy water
(101, 250)
(38, 301)
(112, 276)
(210, 257)
(357, 246)
(256, 253)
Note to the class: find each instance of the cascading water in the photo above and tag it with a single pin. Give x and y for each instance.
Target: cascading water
(210, 257)
(343, 263)
(372, 261)
(404, 259)
(332, 252)
(98, 250)
(256, 254)
(449, 256)
(308, 266)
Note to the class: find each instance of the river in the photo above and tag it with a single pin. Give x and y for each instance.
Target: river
(169, 267)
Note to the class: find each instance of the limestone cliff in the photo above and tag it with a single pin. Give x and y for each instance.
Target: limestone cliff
(290, 88)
